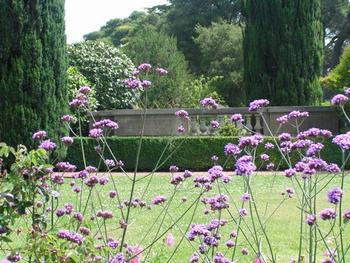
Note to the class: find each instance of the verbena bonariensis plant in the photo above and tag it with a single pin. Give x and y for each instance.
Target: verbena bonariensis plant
(84, 230)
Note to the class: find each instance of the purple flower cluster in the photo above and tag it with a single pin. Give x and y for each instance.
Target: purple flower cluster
(177, 179)
(85, 90)
(96, 133)
(327, 214)
(209, 102)
(104, 214)
(66, 167)
(232, 150)
(339, 99)
(292, 115)
(237, 118)
(314, 149)
(133, 83)
(110, 163)
(57, 179)
(264, 157)
(343, 141)
(13, 258)
(92, 181)
(67, 118)
(162, 71)
(335, 195)
(145, 67)
(173, 168)
(84, 230)
(245, 166)
(113, 243)
(71, 236)
(245, 197)
(39, 135)
(182, 114)
(314, 133)
(106, 123)
(158, 200)
(66, 140)
(218, 202)
(252, 141)
(290, 172)
(311, 220)
(220, 258)
(79, 101)
(119, 258)
(47, 145)
(214, 124)
(258, 104)
(310, 165)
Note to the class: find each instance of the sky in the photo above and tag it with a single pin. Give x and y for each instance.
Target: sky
(85, 16)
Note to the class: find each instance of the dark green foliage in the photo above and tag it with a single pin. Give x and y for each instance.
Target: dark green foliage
(185, 15)
(222, 55)
(159, 49)
(336, 29)
(283, 51)
(33, 93)
(339, 77)
(191, 153)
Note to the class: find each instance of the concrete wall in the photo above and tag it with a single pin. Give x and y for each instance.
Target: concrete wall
(163, 122)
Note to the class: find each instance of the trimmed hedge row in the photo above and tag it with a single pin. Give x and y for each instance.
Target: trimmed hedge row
(191, 153)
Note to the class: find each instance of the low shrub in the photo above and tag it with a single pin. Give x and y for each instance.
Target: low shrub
(191, 153)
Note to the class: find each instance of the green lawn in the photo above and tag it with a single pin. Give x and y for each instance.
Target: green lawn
(283, 227)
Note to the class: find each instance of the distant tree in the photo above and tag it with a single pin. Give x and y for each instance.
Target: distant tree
(159, 49)
(33, 90)
(283, 51)
(222, 55)
(184, 15)
(117, 31)
(106, 68)
(339, 77)
(336, 29)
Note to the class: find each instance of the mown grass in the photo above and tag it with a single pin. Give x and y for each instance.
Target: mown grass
(282, 227)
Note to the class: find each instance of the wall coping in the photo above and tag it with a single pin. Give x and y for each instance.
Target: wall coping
(220, 111)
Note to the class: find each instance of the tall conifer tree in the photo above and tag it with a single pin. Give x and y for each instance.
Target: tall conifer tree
(283, 51)
(33, 91)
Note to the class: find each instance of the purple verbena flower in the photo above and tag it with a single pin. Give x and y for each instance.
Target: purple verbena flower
(335, 195)
(214, 124)
(106, 123)
(66, 140)
(237, 118)
(39, 135)
(232, 150)
(146, 84)
(96, 133)
(145, 67)
(339, 99)
(258, 104)
(209, 102)
(158, 200)
(327, 214)
(161, 71)
(85, 90)
(47, 145)
(311, 220)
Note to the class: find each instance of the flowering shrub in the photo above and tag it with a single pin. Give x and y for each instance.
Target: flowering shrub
(87, 230)
(105, 67)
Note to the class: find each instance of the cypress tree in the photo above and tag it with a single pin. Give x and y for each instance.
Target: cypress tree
(33, 91)
(283, 51)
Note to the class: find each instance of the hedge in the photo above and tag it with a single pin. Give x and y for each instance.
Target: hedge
(192, 153)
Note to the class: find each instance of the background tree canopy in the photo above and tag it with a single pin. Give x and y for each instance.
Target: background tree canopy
(106, 68)
(33, 90)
